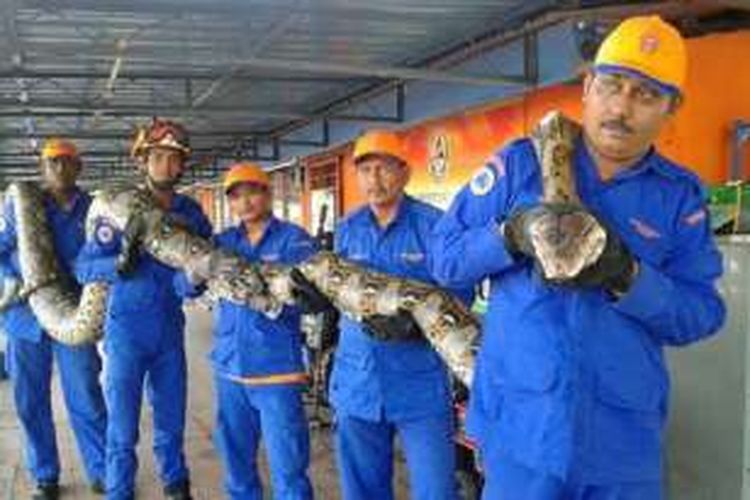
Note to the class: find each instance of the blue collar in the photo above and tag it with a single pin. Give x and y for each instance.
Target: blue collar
(588, 171)
(402, 212)
(178, 201)
(271, 224)
(78, 202)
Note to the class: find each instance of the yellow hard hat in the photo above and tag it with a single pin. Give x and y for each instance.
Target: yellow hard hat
(245, 172)
(647, 47)
(383, 142)
(56, 148)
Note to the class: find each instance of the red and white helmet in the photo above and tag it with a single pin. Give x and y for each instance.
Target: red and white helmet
(160, 134)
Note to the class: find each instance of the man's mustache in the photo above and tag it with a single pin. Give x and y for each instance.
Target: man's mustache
(618, 125)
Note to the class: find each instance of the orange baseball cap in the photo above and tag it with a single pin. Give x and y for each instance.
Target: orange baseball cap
(245, 173)
(56, 148)
(379, 142)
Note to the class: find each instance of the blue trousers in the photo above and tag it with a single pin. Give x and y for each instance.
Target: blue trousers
(165, 376)
(30, 367)
(506, 479)
(365, 456)
(243, 415)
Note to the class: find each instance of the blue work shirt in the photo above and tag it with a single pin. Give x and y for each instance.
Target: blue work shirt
(571, 381)
(375, 379)
(246, 342)
(68, 232)
(144, 313)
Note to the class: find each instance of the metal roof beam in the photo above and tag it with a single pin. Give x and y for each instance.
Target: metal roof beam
(132, 75)
(314, 67)
(384, 72)
(255, 48)
(9, 10)
(10, 108)
(125, 135)
(248, 8)
(117, 134)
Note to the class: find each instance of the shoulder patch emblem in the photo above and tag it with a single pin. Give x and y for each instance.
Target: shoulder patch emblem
(104, 233)
(696, 217)
(483, 181)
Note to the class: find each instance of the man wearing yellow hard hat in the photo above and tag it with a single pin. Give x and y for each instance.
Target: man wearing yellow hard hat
(571, 390)
(387, 380)
(31, 350)
(257, 360)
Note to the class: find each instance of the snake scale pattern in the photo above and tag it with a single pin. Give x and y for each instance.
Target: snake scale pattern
(448, 325)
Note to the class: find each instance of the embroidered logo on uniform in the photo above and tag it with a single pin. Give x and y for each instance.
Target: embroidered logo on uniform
(649, 43)
(696, 217)
(413, 257)
(357, 256)
(104, 233)
(644, 229)
(483, 181)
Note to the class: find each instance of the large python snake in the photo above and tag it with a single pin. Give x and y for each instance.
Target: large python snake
(448, 325)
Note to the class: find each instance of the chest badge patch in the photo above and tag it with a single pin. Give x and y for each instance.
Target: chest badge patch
(412, 257)
(483, 181)
(270, 257)
(104, 233)
(644, 229)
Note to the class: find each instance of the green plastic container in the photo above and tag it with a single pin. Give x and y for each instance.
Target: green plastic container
(730, 208)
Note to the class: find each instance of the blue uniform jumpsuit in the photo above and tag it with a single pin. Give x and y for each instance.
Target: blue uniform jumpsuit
(571, 389)
(30, 353)
(379, 388)
(248, 344)
(143, 341)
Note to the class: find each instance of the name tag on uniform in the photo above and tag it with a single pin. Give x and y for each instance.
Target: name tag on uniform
(271, 257)
(644, 230)
(412, 257)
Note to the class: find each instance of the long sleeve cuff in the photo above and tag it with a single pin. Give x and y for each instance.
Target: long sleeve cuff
(648, 295)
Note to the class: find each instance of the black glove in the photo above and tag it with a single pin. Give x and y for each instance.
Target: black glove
(615, 270)
(306, 295)
(329, 330)
(398, 327)
(130, 246)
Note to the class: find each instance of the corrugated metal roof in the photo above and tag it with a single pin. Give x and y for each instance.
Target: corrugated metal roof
(225, 67)
(230, 69)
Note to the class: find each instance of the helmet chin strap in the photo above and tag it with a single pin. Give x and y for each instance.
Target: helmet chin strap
(164, 185)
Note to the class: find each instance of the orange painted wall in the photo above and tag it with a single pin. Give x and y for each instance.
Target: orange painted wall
(718, 93)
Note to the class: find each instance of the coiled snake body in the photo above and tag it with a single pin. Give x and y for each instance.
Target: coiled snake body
(355, 291)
